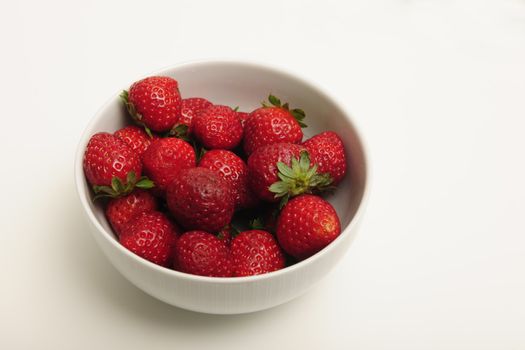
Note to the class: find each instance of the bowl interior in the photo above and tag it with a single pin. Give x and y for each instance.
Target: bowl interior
(246, 85)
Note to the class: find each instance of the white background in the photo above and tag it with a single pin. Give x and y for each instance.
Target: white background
(438, 91)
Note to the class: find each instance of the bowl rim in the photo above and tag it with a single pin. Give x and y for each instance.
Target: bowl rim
(288, 73)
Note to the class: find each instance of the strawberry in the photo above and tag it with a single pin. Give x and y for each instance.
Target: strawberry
(136, 138)
(165, 158)
(262, 167)
(201, 253)
(282, 170)
(233, 169)
(272, 123)
(306, 225)
(151, 236)
(255, 252)
(327, 151)
(243, 116)
(154, 102)
(111, 167)
(120, 211)
(217, 127)
(190, 108)
(200, 199)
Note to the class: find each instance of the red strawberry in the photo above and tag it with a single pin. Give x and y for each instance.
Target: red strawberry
(200, 199)
(243, 116)
(217, 127)
(136, 138)
(151, 236)
(120, 211)
(262, 167)
(282, 170)
(154, 102)
(165, 158)
(255, 252)
(272, 124)
(112, 167)
(190, 108)
(306, 225)
(201, 253)
(233, 169)
(327, 151)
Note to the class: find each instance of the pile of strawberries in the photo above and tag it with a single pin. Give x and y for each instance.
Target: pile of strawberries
(209, 190)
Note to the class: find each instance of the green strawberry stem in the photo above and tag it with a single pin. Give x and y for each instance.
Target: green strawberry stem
(137, 117)
(119, 189)
(297, 113)
(299, 178)
(257, 224)
(234, 231)
(180, 131)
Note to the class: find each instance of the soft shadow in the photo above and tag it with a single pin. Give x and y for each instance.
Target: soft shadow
(95, 274)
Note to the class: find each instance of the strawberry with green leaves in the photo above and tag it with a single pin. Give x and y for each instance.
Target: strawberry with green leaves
(283, 170)
(299, 177)
(112, 167)
(154, 103)
(272, 123)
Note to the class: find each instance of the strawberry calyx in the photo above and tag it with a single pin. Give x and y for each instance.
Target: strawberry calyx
(180, 131)
(257, 224)
(119, 189)
(299, 178)
(234, 231)
(297, 113)
(136, 116)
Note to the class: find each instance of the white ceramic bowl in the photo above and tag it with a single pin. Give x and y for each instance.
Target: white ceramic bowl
(245, 85)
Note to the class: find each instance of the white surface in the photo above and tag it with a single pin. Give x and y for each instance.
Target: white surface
(437, 87)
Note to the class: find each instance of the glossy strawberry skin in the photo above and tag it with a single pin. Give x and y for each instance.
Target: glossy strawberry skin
(201, 253)
(151, 236)
(120, 211)
(243, 116)
(262, 167)
(200, 199)
(165, 158)
(306, 225)
(190, 108)
(217, 127)
(269, 125)
(327, 151)
(135, 137)
(234, 170)
(157, 100)
(107, 156)
(255, 252)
